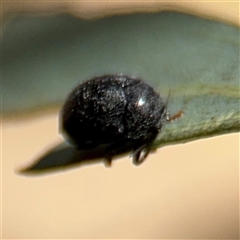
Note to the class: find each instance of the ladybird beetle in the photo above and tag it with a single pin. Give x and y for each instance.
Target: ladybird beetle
(116, 111)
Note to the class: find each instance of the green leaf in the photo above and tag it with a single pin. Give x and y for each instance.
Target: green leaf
(198, 60)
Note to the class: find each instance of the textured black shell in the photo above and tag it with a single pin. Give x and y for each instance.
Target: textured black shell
(114, 111)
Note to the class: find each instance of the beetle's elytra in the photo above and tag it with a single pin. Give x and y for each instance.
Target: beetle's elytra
(115, 111)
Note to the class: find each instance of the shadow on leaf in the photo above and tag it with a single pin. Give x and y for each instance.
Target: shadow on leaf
(64, 156)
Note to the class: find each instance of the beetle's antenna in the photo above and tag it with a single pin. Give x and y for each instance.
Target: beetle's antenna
(176, 116)
(167, 115)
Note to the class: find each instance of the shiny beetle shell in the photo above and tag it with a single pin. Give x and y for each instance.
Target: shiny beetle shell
(116, 111)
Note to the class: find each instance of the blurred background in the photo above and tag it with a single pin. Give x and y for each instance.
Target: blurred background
(181, 191)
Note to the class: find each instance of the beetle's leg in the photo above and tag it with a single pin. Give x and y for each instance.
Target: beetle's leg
(108, 161)
(140, 154)
(111, 151)
(175, 116)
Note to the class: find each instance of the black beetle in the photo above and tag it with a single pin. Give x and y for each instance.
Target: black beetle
(116, 111)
